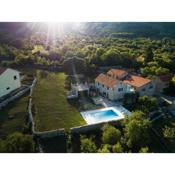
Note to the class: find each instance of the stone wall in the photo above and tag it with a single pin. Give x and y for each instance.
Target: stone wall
(14, 97)
(52, 133)
(92, 127)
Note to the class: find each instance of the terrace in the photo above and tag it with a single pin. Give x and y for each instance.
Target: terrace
(78, 89)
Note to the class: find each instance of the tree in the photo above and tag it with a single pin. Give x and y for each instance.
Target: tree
(170, 89)
(117, 148)
(105, 149)
(130, 100)
(54, 55)
(110, 135)
(40, 51)
(137, 131)
(19, 143)
(154, 70)
(144, 150)
(161, 71)
(22, 59)
(74, 65)
(90, 69)
(147, 104)
(2, 146)
(168, 132)
(111, 57)
(87, 145)
(149, 55)
(173, 80)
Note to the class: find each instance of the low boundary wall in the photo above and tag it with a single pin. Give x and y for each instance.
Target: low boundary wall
(16, 96)
(92, 127)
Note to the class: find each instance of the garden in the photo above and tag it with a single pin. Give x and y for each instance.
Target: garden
(51, 108)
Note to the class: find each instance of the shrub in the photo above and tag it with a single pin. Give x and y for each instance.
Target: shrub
(87, 145)
(19, 143)
(144, 150)
(117, 148)
(105, 149)
(110, 135)
(168, 132)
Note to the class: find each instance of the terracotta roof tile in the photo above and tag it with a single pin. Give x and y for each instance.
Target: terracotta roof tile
(137, 81)
(106, 80)
(165, 78)
(117, 72)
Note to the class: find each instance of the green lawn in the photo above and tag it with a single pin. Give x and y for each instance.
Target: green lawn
(18, 110)
(52, 111)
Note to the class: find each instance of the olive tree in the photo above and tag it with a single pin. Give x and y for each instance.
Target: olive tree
(87, 145)
(169, 132)
(105, 149)
(137, 131)
(110, 135)
(19, 143)
(117, 148)
(144, 150)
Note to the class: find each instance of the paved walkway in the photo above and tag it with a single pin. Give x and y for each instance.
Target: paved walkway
(106, 103)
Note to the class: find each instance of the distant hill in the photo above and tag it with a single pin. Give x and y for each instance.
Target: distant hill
(145, 29)
(115, 29)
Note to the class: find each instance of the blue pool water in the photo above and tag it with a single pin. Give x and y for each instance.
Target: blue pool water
(104, 115)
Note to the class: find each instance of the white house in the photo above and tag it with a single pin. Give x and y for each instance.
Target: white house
(9, 80)
(111, 88)
(116, 83)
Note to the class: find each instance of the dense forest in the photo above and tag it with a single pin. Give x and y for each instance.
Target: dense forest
(148, 48)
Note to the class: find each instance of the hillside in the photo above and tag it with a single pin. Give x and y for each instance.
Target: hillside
(144, 29)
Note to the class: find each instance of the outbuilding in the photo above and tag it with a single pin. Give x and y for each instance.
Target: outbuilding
(9, 80)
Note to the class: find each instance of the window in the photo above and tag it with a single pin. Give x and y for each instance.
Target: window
(107, 88)
(143, 89)
(7, 88)
(120, 89)
(15, 77)
(151, 86)
(103, 85)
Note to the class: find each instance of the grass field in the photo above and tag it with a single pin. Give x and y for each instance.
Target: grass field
(18, 110)
(52, 111)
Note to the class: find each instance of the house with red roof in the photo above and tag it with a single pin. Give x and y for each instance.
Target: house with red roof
(117, 73)
(143, 86)
(111, 86)
(162, 82)
(117, 82)
(9, 80)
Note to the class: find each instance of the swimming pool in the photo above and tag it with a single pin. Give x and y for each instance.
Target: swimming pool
(102, 115)
(107, 114)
